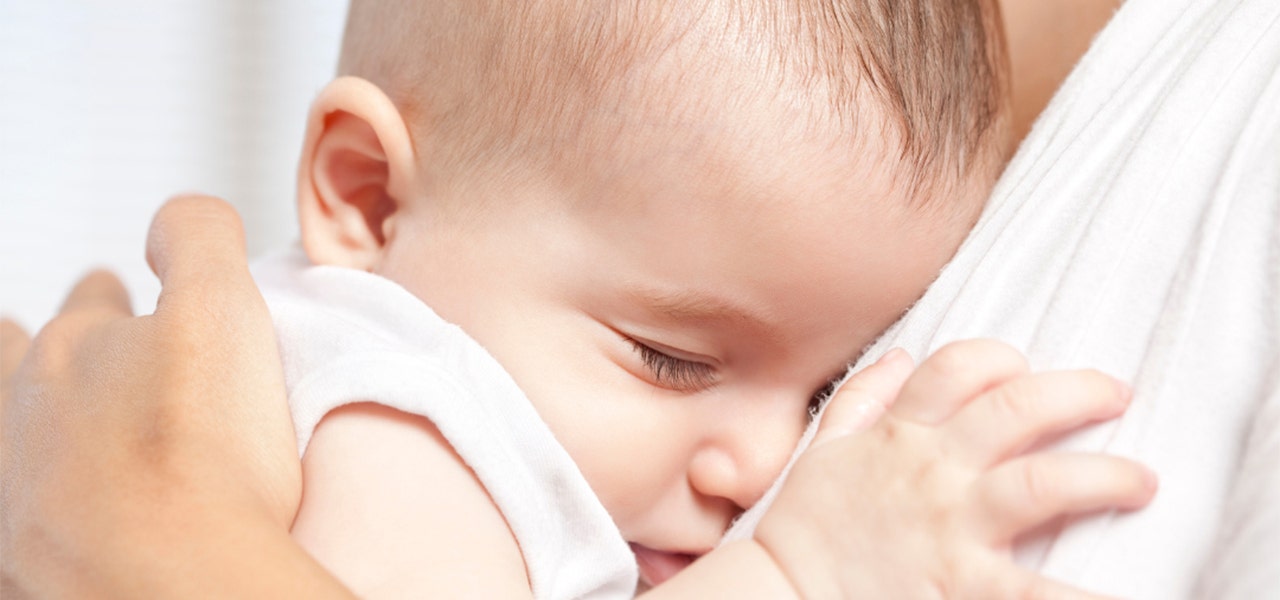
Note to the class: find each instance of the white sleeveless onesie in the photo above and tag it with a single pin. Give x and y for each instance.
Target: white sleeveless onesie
(349, 336)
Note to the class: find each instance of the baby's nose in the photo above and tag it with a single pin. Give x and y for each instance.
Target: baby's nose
(744, 456)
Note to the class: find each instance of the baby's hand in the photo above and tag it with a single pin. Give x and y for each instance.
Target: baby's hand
(927, 502)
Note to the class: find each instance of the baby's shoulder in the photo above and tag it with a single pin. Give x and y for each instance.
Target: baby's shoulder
(389, 507)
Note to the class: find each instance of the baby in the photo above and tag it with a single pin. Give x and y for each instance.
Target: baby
(672, 225)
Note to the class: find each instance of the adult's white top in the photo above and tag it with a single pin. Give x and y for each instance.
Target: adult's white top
(1137, 230)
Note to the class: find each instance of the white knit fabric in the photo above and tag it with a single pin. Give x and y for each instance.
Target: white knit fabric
(1137, 231)
(348, 336)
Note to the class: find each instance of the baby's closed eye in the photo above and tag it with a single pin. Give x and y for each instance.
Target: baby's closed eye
(672, 372)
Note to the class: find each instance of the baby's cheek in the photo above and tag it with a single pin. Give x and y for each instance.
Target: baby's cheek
(629, 481)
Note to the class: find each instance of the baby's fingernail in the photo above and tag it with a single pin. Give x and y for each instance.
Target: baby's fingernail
(893, 356)
(1123, 392)
(1150, 480)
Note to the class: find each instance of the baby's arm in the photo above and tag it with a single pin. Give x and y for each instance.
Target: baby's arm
(392, 511)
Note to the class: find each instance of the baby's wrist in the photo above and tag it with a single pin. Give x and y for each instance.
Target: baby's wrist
(772, 580)
(791, 552)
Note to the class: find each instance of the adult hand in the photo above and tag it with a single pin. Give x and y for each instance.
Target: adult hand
(154, 455)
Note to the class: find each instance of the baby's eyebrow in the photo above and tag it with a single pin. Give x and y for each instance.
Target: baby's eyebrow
(698, 307)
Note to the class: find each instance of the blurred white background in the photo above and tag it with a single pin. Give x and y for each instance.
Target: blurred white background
(108, 108)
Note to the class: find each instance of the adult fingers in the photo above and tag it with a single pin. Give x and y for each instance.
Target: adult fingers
(1011, 417)
(1032, 490)
(858, 403)
(211, 314)
(99, 290)
(14, 342)
(196, 247)
(954, 375)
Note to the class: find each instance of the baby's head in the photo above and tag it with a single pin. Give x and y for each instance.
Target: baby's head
(673, 223)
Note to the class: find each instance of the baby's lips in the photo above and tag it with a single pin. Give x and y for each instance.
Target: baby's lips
(657, 566)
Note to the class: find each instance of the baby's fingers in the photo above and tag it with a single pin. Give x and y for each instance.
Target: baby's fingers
(955, 375)
(1032, 490)
(1011, 417)
(864, 397)
(1031, 585)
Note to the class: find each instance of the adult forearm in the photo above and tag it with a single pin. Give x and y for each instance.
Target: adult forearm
(176, 551)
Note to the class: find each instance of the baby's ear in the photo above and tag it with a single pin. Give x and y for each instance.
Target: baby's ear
(357, 170)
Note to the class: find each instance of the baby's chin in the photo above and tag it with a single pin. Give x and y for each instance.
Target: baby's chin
(657, 566)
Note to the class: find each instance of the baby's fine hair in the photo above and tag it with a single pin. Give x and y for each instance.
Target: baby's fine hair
(492, 79)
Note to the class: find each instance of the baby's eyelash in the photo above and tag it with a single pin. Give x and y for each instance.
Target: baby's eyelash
(675, 373)
(815, 401)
